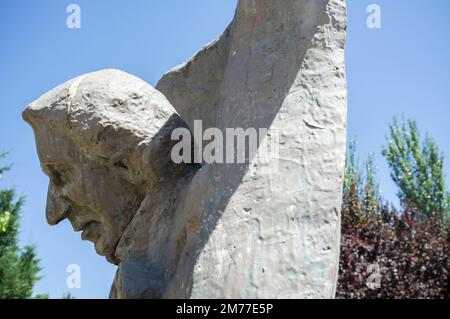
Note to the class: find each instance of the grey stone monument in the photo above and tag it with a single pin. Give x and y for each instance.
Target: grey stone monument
(257, 229)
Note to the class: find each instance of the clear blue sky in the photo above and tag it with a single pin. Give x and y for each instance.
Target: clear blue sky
(401, 69)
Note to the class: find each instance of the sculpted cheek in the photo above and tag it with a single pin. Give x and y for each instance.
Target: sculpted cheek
(76, 192)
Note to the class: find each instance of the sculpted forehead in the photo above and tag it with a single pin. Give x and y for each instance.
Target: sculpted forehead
(110, 96)
(55, 148)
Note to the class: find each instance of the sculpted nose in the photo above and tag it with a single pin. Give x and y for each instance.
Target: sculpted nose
(57, 208)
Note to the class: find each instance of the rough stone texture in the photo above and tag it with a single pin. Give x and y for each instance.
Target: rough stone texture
(254, 230)
(272, 231)
(104, 139)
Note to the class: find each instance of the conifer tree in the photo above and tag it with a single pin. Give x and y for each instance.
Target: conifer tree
(19, 267)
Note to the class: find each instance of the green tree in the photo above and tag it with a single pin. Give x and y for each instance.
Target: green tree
(19, 267)
(417, 168)
(67, 295)
(362, 180)
(353, 175)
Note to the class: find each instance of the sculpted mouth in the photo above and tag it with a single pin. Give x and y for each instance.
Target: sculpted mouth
(88, 228)
(91, 230)
(77, 227)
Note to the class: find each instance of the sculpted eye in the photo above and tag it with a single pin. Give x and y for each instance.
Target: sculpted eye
(121, 164)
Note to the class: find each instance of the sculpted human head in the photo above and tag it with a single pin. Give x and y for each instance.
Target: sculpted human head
(104, 140)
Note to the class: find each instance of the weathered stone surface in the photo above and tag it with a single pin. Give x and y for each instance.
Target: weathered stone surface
(272, 231)
(256, 230)
(104, 139)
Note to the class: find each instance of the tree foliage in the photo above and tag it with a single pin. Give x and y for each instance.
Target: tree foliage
(417, 167)
(19, 267)
(362, 179)
(387, 253)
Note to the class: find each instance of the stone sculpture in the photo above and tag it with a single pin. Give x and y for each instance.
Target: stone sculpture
(249, 230)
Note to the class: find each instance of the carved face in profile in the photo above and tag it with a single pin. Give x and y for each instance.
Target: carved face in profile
(96, 200)
(104, 141)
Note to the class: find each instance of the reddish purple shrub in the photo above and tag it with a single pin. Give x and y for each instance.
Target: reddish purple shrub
(391, 255)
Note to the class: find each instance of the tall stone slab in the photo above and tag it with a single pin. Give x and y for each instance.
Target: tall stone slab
(272, 230)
